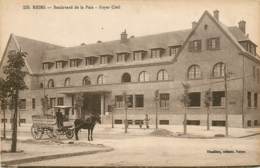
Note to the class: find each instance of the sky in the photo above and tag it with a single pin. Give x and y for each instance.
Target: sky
(71, 27)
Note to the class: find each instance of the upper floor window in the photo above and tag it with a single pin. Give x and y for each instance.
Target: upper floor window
(67, 82)
(60, 64)
(254, 72)
(164, 100)
(121, 57)
(126, 77)
(194, 72)
(22, 104)
(143, 76)
(258, 75)
(51, 83)
(219, 70)
(86, 81)
(74, 62)
(174, 50)
(156, 53)
(47, 65)
(90, 61)
(195, 45)
(162, 75)
(213, 43)
(139, 55)
(100, 80)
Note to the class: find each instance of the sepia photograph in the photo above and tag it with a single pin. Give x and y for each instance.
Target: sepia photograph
(120, 83)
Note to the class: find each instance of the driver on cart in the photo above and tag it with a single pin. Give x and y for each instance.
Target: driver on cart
(59, 119)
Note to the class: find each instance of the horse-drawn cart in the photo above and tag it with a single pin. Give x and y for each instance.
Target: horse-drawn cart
(46, 124)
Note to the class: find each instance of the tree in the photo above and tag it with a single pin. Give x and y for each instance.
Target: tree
(14, 83)
(3, 101)
(207, 101)
(186, 101)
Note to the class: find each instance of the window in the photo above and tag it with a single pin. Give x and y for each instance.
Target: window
(218, 98)
(249, 123)
(139, 122)
(100, 80)
(162, 75)
(46, 66)
(51, 83)
(59, 64)
(22, 120)
(67, 82)
(218, 123)
(139, 100)
(41, 85)
(255, 122)
(60, 101)
(164, 122)
(33, 103)
(193, 122)
(143, 76)
(213, 43)
(86, 81)
(119, 101)
(258, 75)
(121, 57)
(74, 62)
(249, 104)
(174, 50)
(22, 104)
(255, 99)
(156, 53)
(52, 102)
(195, 46)
(126, 77)
(138, 55)
(118, 121)
(219, 70)
(194, 72)
(194, 98)
(129, 101)
(254, 72)
(103, 59)
(4, 120)
(164, 100)
(90, 60)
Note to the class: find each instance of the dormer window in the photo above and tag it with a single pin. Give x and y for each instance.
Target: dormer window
(104, 59)
(156, 53)
(74, 62)
(122, 57)
(90, 61)
(213, 43)
(174, 50)
(47, 65)
(249, 46)
(139, 55)
(60, 64)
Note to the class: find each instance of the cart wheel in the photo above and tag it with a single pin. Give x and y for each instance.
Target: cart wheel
(70, 133)
(36, 132)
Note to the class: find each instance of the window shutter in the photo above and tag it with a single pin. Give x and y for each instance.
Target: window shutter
(199, 45)
(208, 44)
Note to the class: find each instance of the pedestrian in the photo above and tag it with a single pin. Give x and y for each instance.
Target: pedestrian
(146, 121)
(59, 119)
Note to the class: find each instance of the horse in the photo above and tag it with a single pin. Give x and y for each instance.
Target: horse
(88, 123)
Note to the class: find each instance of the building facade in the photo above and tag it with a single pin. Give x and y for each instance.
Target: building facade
(100, 77)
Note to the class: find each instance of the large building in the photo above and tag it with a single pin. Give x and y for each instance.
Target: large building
(96, 76)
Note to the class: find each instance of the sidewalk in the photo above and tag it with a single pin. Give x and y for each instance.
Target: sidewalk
(37, 150)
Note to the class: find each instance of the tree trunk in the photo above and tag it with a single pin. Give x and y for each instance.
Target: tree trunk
(207, 119)
(4, 124)
(14, 124)
(185, 122)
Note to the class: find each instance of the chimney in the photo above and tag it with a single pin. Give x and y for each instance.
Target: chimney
(242, 26)
(124, 36)
(194, 24)
(216, 14)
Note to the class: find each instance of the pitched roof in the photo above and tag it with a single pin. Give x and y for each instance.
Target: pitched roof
(35, 50)
(162, 40)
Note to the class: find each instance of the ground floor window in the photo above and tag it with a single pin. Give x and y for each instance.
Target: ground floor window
(139, 100)
(118, 122)
(194, 99)
(164, 122)
(119, 101)
(255, 123)
(193, 122)
(138, 122)
(255, 99)
(218, 98)
(33, 103)
(60, 101)
(22, 120)
(218, 123)
(129, 101)
(249, 124)
(130, 122)
(249, 99)
(52, 102)
(164, 100)
(4, 120)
